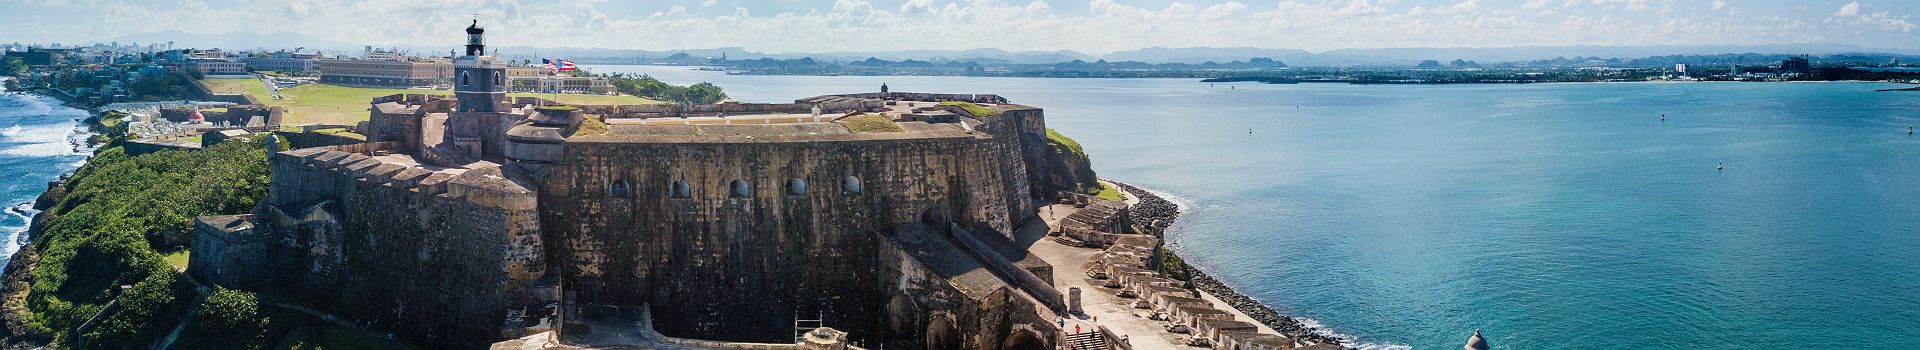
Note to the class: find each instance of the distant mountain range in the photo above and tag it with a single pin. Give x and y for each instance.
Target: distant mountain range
(1293, 57)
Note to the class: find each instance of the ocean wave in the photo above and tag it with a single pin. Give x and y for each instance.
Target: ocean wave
(1347, 340)
(16, 234)
(46, 140)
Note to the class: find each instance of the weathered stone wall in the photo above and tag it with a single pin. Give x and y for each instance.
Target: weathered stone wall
(925, 309)
(229, 252)
(1019, 137)
(368, 238)
(738, 266)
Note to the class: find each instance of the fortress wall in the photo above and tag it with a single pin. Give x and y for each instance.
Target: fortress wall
(1020, 137)
(920, 303)
(738, 269)
(389, 232)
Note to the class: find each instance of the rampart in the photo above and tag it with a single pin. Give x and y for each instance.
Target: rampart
(707, 232)
(366, 234)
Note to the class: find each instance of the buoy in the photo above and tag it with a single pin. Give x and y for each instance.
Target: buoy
(1722, 166)
(1663, 117)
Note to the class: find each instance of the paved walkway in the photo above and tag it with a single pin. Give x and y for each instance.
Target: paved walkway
(1101, 303)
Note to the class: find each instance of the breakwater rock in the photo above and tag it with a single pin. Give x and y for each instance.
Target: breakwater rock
(1152, 211)
(1159, 213)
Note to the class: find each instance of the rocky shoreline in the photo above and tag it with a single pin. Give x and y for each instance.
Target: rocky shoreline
(1158, 213)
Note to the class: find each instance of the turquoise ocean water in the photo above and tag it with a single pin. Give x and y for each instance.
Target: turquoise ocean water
(1553, 216)
(37, 138)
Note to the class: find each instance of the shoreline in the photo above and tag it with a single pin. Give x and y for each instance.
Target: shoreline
(1158, 214)
(16, 323)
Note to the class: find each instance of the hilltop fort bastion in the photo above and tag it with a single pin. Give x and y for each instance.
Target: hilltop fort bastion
(877, 218)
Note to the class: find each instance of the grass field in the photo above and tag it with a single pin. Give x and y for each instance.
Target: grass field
(178, 259)
(1107, 192)
(333, 104)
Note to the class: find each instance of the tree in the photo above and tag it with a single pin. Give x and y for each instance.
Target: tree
(163, 86)
(229, 319)
(13, 67)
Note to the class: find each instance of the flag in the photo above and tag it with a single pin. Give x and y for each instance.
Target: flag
(547, 64)
(568, 65)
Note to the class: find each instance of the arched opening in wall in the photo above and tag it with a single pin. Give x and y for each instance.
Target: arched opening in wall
(900, 315)
(497, 82)
(942, 335)
(739, 189)
(933, 218)
(850, 185)
(466, 79)
(680, 190)
(620, 189)
(796, 186)
(1023, 340)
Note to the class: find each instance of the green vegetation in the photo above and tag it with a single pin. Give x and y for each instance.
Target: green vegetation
(120, 212)
(1074, 158)
(1107, 192)
(111, 125)
(593, 125)
(145, 312)
(869, 123)
(977, 110)
(228, 319)
(195, 139)
(701, 94)
(177, 259)
(158, 87)
(246, 86)
(13, 67)
(1172, 267)
(340, 132)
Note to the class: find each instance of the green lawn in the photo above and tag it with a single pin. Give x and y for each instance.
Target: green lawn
(333, 104)
(870, 123)
(247, 86)
(196, 139)
(340, 132)
(178, 259)
(1107, 192)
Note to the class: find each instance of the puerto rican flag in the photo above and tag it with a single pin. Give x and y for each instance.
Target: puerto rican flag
(567, 65)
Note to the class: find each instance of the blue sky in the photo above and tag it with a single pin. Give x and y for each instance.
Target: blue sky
(1090, 26)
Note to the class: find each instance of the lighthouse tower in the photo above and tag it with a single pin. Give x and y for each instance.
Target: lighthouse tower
(479, 81)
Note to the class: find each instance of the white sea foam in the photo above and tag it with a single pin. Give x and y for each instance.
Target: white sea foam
(10, 132)
(50, 140)
(16, 234)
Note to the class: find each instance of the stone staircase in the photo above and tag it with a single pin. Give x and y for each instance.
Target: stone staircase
(1092, 340)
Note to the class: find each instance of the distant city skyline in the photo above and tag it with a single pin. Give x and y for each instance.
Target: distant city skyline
(1093, 27)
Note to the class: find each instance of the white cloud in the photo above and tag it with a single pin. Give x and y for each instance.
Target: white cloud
(709, 3)
(1850, 10)
(1534, 4)
(1719, 4)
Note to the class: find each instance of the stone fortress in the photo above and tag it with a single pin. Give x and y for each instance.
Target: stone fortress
(479, 220)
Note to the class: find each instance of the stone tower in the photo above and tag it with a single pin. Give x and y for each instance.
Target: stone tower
(479, 82)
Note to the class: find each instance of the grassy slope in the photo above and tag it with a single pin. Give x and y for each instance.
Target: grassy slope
(974, 109)
(1107, 192)
(333, 104)
(870, 123)
(121, 211)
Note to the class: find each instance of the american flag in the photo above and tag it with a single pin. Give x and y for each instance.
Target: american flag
(547, 64)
